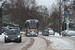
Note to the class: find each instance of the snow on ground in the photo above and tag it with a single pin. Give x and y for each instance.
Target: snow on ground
(22, 32)
(62, 44)
(56, 34)
(2, 37)
(72, 36)
(40, 32)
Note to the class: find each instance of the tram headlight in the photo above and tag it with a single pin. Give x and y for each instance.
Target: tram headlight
(32, 31)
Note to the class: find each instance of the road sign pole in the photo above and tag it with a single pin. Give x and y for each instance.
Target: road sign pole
(64, 22)
(67, 22)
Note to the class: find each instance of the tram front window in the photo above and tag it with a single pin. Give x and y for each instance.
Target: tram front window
(32, 25)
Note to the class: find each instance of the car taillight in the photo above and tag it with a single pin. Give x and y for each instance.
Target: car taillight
(64, 33)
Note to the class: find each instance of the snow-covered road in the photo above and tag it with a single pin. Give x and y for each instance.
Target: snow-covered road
(41, 42)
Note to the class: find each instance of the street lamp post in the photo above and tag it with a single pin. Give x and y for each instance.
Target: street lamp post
(44, 17)
(43, 22)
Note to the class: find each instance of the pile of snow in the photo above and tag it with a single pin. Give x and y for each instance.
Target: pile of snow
(2, 37)
(3, 34)
(57, 34)
(40, 32)
(51, 31)
(22, 32)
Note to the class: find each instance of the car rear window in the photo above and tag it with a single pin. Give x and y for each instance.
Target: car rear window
(13, 32)
(45, 31)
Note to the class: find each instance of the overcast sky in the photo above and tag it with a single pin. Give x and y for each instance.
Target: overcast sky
(46, 2)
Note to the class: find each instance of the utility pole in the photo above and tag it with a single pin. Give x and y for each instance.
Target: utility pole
(44, 19)
(60, 18)
(64, 24)
(43, 22)
(19, 14)
(64, 14)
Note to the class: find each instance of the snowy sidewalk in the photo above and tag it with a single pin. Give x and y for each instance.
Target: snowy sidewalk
(61, 43)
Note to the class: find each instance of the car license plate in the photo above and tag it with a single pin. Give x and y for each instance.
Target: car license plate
(12, 39)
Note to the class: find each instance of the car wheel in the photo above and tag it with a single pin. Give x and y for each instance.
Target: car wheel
(53, 34)
(47, 35)
(28, 35)
(20, 40)
(36, 35)
(5, 40)
(64, 35)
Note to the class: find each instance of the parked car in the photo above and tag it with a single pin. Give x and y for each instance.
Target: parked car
(13, 35)
(69, 32)
(45, 32)
(51, 32)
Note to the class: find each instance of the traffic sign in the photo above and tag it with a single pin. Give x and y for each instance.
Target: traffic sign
(66, 14)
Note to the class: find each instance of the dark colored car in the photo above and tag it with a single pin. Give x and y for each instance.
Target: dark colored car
(45, 32)
(12, 35)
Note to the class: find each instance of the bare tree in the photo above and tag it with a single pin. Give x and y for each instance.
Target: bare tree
(20, 10)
